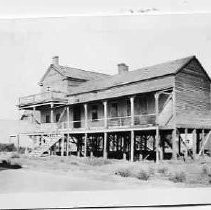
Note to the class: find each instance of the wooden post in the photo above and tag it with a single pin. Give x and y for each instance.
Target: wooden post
(34, 110)
(203, 139)
(174, 146)
(68, 118)
(157, 140)
(51, 116)
(194, 143)
(124, 147)
(68, 142)
(18, 142)
(86, 116)
(105, 105)
(132, 146)
(186, 138)
(78, 146)
(62, 146)
(132, 109)
(157, 135)
(105, 153)
(85, 145)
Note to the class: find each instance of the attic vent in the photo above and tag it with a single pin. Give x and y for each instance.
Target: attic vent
(122, 68)
(55, 60)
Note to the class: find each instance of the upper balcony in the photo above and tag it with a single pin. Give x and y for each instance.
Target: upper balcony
(41, 98)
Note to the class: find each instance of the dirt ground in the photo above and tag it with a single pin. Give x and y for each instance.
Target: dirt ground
(73, 173)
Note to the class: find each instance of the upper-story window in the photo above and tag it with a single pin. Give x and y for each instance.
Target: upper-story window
(47, 118)
(128, 108)
(57, 117)
(94, 112)
(114, 110)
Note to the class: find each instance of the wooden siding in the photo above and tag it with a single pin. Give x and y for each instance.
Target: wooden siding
(55, 81)
(192, 89)
(124, 90)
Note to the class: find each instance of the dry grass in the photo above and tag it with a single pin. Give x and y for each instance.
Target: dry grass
(189, 173)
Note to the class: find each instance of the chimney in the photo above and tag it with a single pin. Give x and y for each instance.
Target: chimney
(122, 68)
(55, 60)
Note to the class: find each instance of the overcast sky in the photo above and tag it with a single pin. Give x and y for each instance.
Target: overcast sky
(94, 43)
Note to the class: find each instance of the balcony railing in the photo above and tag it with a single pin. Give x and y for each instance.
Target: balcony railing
(42, 97)
(113, 122)
(119, 121)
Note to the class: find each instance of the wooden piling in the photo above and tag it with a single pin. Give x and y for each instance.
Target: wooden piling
(105, 152)
(132, 146)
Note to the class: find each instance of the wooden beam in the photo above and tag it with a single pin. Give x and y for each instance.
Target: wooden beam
(204, 143)
(132, 137)
(194, 143)
(62, 114)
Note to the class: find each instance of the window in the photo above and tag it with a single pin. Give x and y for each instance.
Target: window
(114, 110)
(94, 112)
(47, 118)
(57, 117)
(128, 108)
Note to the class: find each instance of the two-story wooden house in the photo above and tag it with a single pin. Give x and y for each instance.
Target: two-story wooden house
(157, 112)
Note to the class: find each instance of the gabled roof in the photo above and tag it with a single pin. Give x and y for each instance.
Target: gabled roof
(167, 68)
(69, 72)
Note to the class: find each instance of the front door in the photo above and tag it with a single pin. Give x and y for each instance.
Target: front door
(77, 117)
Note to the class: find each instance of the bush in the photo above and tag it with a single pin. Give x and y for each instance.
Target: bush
(142, 175)
(205, 170)
(9, 165)
(97, 161)
(162, 170)
(123, 172)
(7, 147)
(178, 177)
(15, 155)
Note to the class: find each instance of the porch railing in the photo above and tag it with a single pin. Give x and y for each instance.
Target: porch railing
(48, 127)
(144, 119)
(119, 121)
(41, 97)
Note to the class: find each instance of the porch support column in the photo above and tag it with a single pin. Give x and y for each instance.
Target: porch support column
(157, 135)
(157, 141)
(62, 145)
(105, 153)
(132, 109)
(194, 143)
(34, 110)
(202, 140)
(174, 146)
(68, 118)
(86, 116)
(105, 106)
(67, 148)
(85, 145)
(186, 138)
(132, 146)
(52, 112)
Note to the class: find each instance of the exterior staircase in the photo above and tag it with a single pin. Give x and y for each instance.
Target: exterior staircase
(49, 142)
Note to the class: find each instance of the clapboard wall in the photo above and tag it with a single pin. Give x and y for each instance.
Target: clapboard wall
(192, 94)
